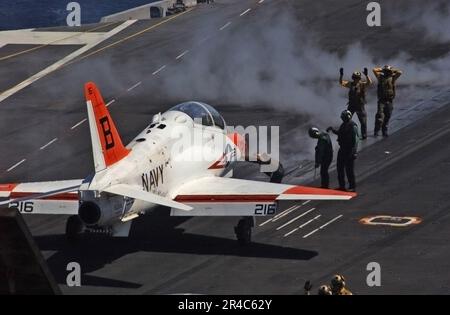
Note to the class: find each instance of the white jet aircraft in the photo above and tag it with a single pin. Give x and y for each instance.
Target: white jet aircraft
(151, 172)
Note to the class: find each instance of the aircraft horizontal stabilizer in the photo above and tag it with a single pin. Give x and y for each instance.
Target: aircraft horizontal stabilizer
(132, 192)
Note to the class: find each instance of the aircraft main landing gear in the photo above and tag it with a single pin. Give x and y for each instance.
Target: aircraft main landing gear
(244, 230)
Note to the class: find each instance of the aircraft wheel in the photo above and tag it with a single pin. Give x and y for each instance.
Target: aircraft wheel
(244, 231)
(74, 227)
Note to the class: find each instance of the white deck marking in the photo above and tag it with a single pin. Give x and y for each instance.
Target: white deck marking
(260, 1)
(182, 54)
(78, 124)
(303, 225)
(134, 86)
(48, 144)
(159, 70)
(245, 12)
(286, 212)
(110, 102)
(4, 95)
(322, 226)
(295, 219)
(308, 222)
(15, 165)
(276, 216)
(225, 26)
(265, 222)
(26, 37)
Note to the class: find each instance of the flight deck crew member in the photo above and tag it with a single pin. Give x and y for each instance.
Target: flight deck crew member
(307, 287)
(387, 76)
(357, 96)
(275, 176)
(324, 290)
(338, 286)
(324, 154)
(348, 146)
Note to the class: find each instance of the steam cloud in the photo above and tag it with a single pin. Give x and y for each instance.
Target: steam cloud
(279, 62)
(265, 65)
(432, 17)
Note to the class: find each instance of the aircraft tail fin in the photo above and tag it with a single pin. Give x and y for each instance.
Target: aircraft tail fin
(107, 146)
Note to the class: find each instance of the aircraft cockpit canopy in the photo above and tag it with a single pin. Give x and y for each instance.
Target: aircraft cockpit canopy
(201, 113)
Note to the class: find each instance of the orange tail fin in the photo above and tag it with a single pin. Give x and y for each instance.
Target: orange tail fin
(107, 145)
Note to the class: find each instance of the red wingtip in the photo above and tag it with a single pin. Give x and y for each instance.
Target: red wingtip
(7, 187)
(303, 190)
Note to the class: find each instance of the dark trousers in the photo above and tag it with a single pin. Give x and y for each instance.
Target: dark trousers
(345, 166)
(362, 117)
(324, 176)
(384, 113)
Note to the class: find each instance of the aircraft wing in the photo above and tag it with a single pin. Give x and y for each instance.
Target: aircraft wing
(56, 197)
(218, 196)
(138, 193)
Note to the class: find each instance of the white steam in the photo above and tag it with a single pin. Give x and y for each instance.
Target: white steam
(433, 17)
(282, 66)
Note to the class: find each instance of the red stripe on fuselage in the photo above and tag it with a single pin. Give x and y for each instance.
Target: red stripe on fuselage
(63, 196)
(225, 198)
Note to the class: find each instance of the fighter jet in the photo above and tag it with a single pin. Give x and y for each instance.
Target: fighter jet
(162, 166)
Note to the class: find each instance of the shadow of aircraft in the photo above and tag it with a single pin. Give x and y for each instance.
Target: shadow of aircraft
(150, 233)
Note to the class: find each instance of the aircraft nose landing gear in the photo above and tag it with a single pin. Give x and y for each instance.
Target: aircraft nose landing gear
(243, 230)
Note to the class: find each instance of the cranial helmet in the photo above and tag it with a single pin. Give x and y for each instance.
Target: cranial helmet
(387, 69)
(324, 290)
(346, 115)
(313, 132)
(356, 75)
(338, 282)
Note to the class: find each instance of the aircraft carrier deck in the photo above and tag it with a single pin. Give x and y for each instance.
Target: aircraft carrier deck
(145, 67)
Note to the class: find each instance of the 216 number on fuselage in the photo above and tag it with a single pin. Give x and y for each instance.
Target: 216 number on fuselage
(265, 209)
(22, 206)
